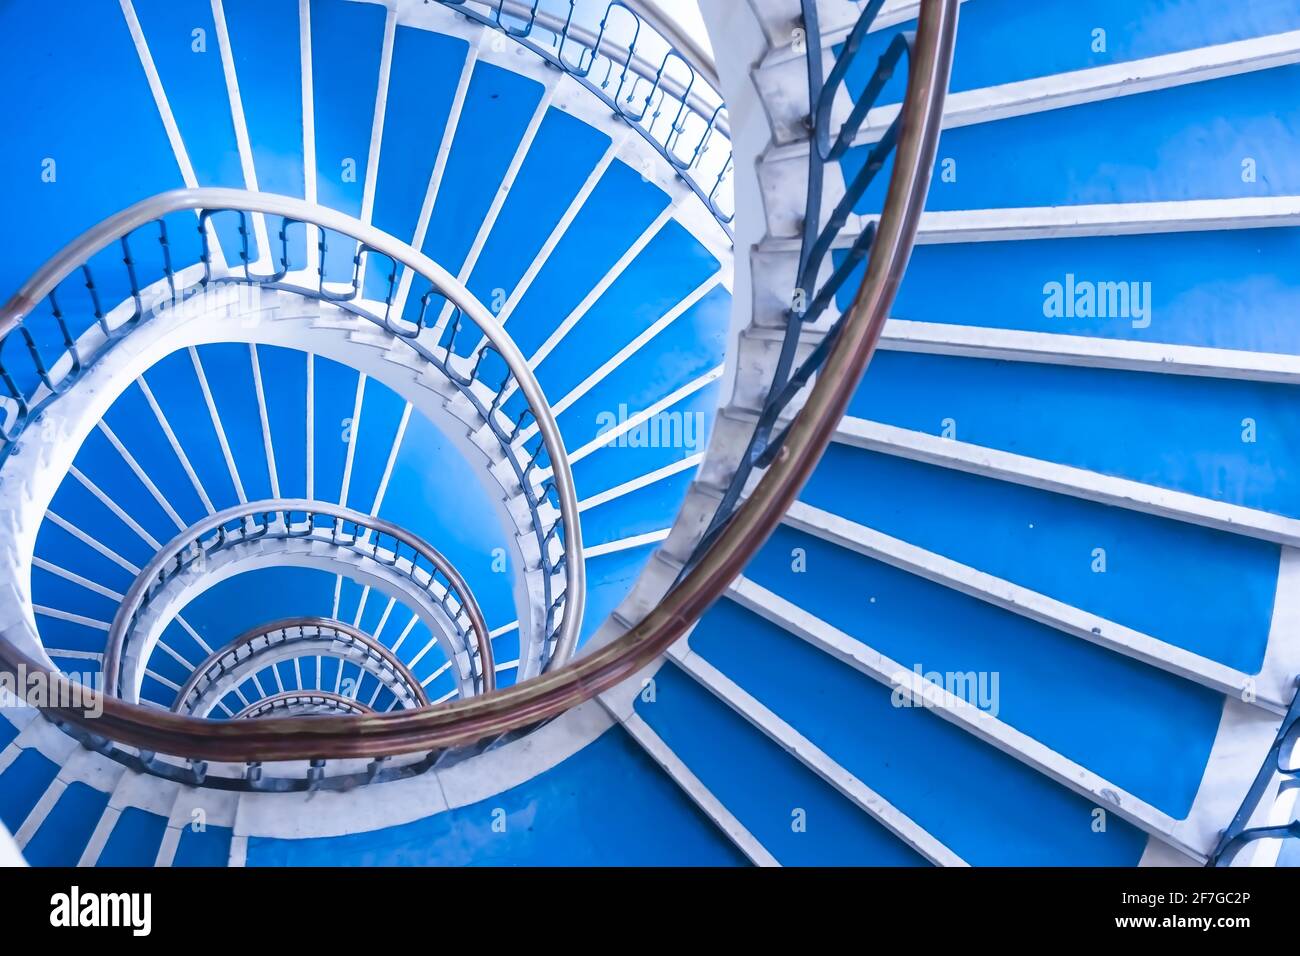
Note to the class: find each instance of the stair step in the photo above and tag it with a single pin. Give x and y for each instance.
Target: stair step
(794, 813)
(912, 757)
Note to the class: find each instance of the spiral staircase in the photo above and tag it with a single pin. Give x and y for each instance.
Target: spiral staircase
(397, 447)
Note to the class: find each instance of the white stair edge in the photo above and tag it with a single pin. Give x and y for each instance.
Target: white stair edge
(1067, 480)
(1053, 348)
(694, 788)
(1094, 84)
(980, 724)
(1080, 221)
(816, 760)
(1033, 605)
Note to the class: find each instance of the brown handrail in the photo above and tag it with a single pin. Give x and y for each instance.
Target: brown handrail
(464, 722)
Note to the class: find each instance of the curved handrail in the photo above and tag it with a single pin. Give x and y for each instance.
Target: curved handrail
(820, 231)
(637, 78)
(188, 548)
(460, 723)
(291, 698)
(118, 227)
(227, 659)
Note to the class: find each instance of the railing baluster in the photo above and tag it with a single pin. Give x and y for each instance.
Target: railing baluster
(284, 246)
(129, 262)
(35, 354)
(69, 342)
(245, 257)
(96, 307)
(168, 271)
(452, 330)
(519, 425)
(21, 409)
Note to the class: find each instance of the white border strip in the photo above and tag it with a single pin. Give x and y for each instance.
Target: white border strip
(1066, 480)
(984, 726)
(1029, 604)
(812, 756)
(694, 788)
(1080, 221)
(1053, 348)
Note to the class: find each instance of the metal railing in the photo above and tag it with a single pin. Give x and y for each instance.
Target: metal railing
(268, 644)
(302, 703)
(54, 330)
(1275, 772)
(414, 560)
(645, 70)
(136, 735)
(813, 294)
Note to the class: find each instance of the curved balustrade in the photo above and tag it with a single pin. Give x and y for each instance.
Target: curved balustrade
(645, 70)
(302, 703)
(136, 735)
(268, 644)
(811, 296)
(429, 574)
(56, 327)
